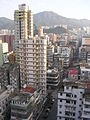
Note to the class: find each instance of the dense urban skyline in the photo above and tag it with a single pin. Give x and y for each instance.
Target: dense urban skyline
(44, 69)
(72, 9)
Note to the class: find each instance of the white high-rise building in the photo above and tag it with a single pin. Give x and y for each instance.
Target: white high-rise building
(70, 102)
(5, 47)
(31, 53)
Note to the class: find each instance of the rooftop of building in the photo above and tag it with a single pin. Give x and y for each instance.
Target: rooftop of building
(52, 71)
(73, 68)
(85, 68)
(28, 89)
(86, 36)
(76, 83)
(21, 98)
(2, 90)
(79, 83)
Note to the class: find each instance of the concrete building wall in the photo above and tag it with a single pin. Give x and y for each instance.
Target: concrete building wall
(31, 53)
(1, 54)
(70, 103)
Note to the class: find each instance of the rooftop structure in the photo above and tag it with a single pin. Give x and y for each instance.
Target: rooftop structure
(26, 104)
(52, 78)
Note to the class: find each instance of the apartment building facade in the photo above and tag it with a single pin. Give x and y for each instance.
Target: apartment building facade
(70, 102)
(31, 53)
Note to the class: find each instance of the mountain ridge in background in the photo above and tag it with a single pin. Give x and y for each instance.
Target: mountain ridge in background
(47, 18)
(6, 23)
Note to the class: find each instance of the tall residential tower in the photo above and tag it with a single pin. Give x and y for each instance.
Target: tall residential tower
(23, 20)
(30, 51)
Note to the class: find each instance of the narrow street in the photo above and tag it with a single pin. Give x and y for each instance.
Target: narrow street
(53, 111)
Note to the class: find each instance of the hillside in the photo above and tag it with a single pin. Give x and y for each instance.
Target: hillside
(6, 23)
(47, 18)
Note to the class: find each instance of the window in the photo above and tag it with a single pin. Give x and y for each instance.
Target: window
(68, 95)
(80, 98)
(73, 114)
(67, 87)
(67, 113)
(60, 106)
(60, 100)
(67, 101)
(81, 92)
(60, 112)
(75, 96)
(87, 106)
(74, 102)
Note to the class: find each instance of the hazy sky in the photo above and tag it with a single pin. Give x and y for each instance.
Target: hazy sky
(69, 8)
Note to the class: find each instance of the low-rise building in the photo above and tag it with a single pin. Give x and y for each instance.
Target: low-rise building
(5, 102)
(85, 72)
(65, 53)
(21, 107)
(52, 78)
(73, 74)
(26, 104)
(9, 39)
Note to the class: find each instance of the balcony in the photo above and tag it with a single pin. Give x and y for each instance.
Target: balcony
(86, 116)
(69, 109)
(70, 104)
(87, 102)
(86, 109)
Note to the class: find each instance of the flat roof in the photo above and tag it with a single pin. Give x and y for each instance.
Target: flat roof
(28, 89)
(21, 98)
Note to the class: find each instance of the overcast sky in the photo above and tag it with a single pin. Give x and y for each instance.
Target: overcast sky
(79, 9)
